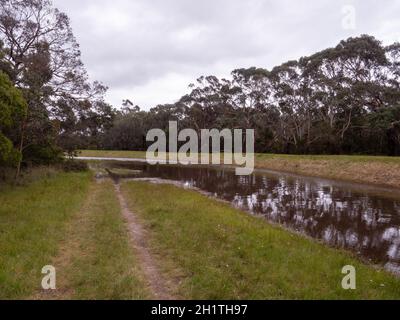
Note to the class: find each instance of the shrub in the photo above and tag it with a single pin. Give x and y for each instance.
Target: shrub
(75, 166)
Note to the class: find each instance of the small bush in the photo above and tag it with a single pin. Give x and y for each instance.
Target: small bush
(75, 166)
(28, 175)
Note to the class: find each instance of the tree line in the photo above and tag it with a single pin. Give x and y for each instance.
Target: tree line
(344, 99)
(46, 98)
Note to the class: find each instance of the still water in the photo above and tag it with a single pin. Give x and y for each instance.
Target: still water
(363, 219)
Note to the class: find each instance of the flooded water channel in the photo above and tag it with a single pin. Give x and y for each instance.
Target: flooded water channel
(363, 219)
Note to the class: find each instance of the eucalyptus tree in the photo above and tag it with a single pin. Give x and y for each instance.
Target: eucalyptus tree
(342, 99)
(12, 110)
(42, 58)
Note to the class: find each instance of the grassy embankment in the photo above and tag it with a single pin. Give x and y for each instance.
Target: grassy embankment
(100, 261)
(210, 249)
(49, 222)
(217, 252)
(382, 171)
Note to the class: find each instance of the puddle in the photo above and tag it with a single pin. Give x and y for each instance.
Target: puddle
(354, 217)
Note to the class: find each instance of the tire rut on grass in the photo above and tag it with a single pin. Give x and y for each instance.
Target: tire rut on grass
(137, 235)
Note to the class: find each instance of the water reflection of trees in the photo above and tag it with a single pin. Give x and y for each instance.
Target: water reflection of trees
(367, 224)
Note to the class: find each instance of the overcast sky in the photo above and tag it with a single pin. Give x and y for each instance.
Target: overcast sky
(150, 50)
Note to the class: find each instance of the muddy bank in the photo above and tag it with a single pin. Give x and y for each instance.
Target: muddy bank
(385, 174)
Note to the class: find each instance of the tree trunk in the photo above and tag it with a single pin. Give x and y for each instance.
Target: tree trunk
(20, 148)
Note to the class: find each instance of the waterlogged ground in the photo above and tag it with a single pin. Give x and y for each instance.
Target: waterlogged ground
(359, 218)
(126, 239)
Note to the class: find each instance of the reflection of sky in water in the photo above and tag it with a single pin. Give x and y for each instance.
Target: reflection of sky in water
(341, 216)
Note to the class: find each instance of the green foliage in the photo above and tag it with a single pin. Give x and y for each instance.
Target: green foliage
(43, 154)
(9, 156)
(12, 110)
(40, 54)
(339, 100)
(75, 166)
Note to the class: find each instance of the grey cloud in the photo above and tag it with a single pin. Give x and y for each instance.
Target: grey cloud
(129, 45)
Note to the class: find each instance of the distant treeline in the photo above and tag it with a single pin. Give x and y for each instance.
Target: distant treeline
(340, 100)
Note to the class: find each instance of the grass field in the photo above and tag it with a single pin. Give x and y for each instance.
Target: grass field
(216, 252)
(73, 223)
(204, 249)
(101, 262)
(33, 220)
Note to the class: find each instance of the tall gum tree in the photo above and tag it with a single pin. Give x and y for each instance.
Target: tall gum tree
(12, 110)
(43, 59)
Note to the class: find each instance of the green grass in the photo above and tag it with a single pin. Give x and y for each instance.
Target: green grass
(47, 221)
(32, 222)
(103, 266)
(340, 158)
(217, 252)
